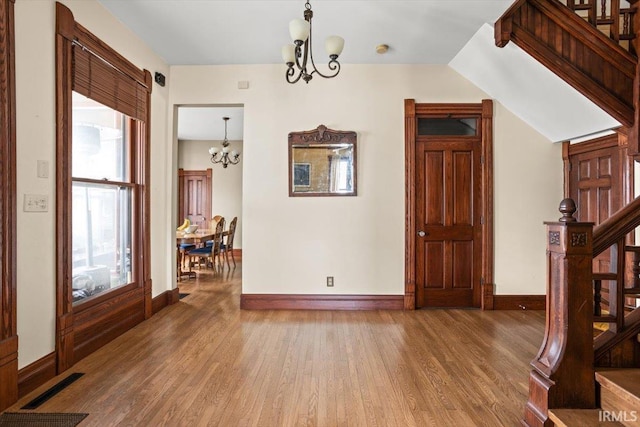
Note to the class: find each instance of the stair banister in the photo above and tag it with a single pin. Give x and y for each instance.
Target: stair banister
(616, 227)
(562, 374)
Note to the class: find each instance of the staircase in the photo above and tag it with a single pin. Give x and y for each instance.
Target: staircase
(620, 402)
(591, 44)
(593, 319)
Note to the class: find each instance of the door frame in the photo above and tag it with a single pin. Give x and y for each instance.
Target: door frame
(484, 111)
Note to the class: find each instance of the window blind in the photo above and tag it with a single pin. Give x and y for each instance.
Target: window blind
(94, 78)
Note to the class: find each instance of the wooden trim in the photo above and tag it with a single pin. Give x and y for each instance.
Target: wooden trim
(320, 302)
(607, 141)
(145, 181)
(9, 371)
(486, 300)
(165, 299)
(574, 50)
(410, 204)
(8, 209)
(484, 111)
(566, 169)
(34, 375)
(519, 302)
(64, 306)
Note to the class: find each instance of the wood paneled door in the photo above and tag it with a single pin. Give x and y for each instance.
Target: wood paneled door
(194, 196)
(599, 178)
(448, 211)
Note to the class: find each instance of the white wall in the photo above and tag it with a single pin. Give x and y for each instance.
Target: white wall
(35, 120)
(290, 245)
(227, 182)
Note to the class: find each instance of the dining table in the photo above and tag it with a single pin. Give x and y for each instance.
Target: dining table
(199, 237)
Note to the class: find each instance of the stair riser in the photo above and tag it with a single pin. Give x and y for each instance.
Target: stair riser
(626, 409)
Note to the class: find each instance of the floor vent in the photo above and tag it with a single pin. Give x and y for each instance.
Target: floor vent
(52, 391)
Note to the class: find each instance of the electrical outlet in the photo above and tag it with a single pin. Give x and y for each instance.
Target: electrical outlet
(330, 281)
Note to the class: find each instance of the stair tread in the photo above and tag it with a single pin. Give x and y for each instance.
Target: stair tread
(625, 383)
(579, 417)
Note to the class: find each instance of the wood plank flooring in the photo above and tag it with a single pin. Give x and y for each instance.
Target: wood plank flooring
(204, 362)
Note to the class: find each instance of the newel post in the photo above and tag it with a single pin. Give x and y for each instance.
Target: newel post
(562, 374)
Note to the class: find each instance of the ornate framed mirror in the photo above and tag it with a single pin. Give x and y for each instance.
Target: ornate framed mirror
(322, 162)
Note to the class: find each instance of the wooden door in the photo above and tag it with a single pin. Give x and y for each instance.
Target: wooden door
(194, 196)
(597, 171)
(448, 216)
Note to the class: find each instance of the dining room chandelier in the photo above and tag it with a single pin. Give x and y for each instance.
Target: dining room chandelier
(224, 156)
(299, 54)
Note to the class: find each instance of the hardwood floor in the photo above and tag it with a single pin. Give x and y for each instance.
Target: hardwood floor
(202, 361)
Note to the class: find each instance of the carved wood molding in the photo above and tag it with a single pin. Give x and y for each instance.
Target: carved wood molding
(322, 135)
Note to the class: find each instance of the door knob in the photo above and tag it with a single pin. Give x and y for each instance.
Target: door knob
(421, 233)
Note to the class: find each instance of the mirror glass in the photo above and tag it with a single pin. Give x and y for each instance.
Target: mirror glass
(322, 162)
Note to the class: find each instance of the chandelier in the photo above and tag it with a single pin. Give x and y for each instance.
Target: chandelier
(224, 156)
(300, 52)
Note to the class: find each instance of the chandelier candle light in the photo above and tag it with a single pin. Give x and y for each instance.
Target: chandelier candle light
(301, 50)
(224, 156)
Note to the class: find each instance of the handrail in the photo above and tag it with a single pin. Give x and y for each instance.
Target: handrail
(616, 227)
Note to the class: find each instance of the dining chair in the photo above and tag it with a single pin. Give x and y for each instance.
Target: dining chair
(227, 246)
(214, 223)
(209, 252)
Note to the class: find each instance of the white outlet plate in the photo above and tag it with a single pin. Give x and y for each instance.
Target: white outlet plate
(36, 203)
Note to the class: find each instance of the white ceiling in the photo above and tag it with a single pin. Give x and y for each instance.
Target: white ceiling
(205, 123)
(211, 32)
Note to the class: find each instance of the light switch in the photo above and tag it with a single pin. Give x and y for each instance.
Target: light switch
(43, 169)
(243, 84)
(36, 203)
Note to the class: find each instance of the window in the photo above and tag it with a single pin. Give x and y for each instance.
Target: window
(103, 283)
(102, 199)
(447, 126)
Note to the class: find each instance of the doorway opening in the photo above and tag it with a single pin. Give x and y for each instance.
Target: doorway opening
(208, 190)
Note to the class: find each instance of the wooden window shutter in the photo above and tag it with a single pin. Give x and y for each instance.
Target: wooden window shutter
(94, 78)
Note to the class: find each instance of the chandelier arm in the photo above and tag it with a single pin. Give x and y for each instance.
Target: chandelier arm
(333, 65)
(298, 55)
(290, 73)
(332, 62)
